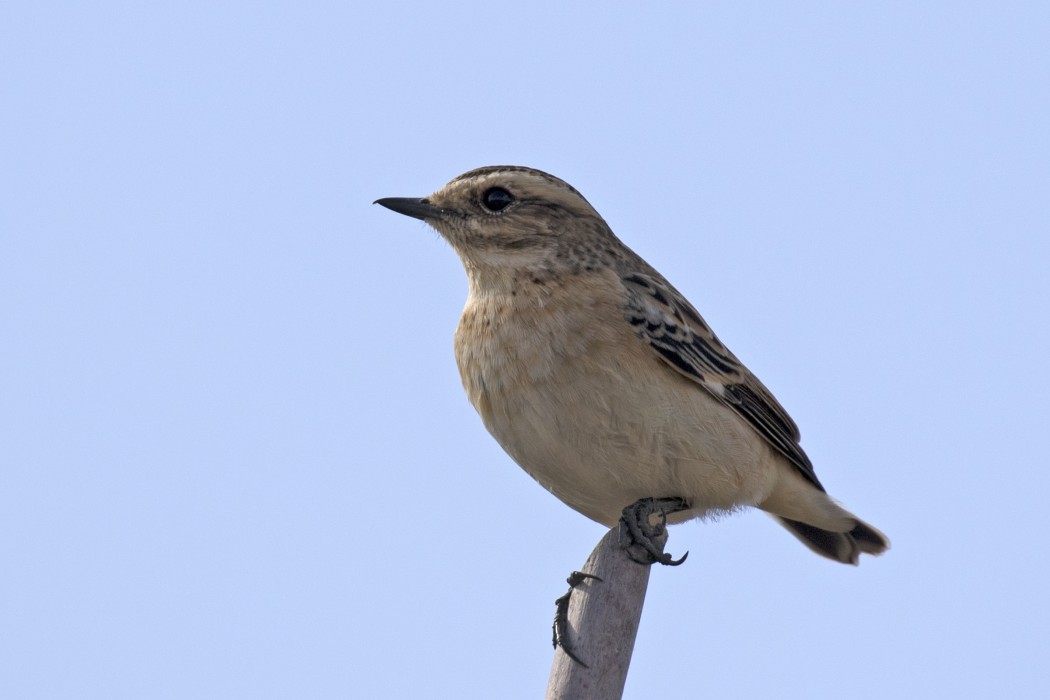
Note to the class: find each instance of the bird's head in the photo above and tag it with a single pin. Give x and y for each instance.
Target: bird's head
(512, 217)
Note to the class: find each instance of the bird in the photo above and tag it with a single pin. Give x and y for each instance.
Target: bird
(602, 381)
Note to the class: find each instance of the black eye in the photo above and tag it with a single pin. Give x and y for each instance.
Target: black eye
(496, 199)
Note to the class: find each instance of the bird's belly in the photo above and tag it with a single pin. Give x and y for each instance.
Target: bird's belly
(604, 430)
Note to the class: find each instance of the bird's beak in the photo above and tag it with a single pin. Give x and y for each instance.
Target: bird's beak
(411, 206)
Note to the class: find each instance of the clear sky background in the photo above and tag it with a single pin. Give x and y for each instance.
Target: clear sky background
(235, 457)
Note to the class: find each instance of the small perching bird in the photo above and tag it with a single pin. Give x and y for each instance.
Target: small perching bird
(602, 381)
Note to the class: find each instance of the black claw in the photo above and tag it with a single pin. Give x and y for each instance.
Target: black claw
(637, 531)
(578, 577)
(561, 615)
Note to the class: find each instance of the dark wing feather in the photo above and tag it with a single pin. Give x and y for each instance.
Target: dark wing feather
(673, 328)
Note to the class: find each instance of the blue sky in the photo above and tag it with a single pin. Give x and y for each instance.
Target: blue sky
(235, 456)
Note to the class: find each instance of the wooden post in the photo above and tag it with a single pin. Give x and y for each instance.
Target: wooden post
(603, 622)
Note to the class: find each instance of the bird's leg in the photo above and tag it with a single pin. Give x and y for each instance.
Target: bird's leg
(561, 615)
(637, 530)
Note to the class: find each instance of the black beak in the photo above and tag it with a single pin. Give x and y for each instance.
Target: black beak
(410, 206)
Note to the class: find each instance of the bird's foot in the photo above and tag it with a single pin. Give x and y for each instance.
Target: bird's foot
(561, 615)
(638, 531)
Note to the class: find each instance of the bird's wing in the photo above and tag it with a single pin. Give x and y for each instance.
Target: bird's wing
(673, 328)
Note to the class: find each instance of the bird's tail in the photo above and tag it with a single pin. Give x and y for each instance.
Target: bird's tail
(845, 547)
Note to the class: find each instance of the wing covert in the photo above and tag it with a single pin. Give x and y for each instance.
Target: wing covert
(680, 336)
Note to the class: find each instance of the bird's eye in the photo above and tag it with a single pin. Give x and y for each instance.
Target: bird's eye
(496, 199)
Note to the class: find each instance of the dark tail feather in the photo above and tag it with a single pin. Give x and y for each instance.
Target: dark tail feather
(845, 547)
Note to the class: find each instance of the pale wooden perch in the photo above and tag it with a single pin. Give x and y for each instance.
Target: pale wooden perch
(603, 622)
